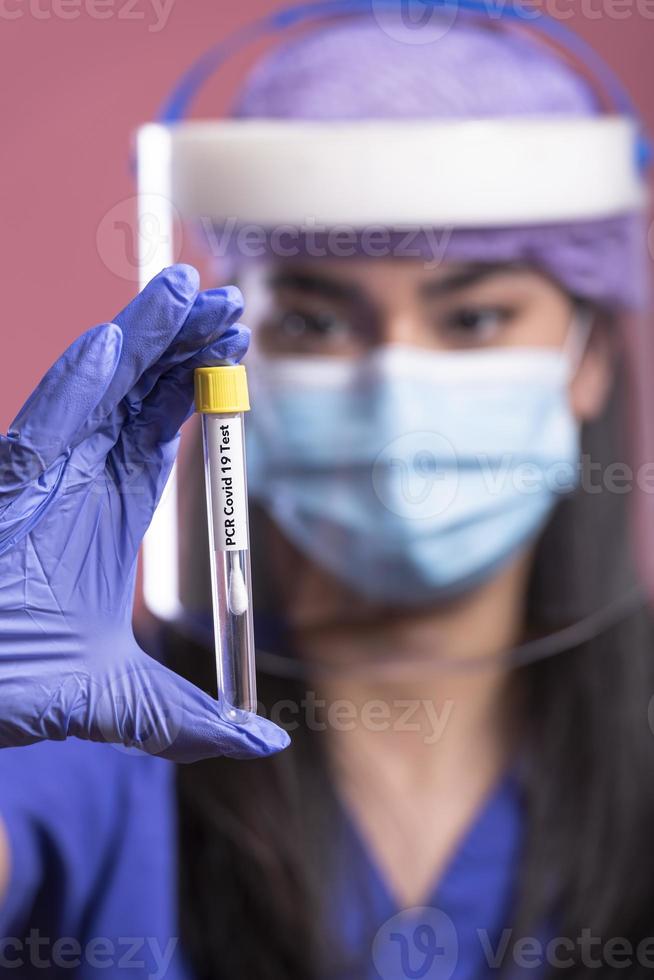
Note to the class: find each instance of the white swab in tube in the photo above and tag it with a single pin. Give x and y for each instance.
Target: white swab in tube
(221, 396)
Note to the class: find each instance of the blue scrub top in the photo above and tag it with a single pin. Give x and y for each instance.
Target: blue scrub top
(92, 889)
(457, 931)
(92, 835)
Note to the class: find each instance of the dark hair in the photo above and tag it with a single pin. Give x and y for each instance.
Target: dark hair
(257, 837)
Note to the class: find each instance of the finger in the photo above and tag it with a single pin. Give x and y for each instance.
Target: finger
(151, 708)
(149, 326)
(171, 402)
(214, 312)
(143, 449)
(212, 315)
(60, 405)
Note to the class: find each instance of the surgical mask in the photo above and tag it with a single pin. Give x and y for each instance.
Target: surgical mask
(413, 475)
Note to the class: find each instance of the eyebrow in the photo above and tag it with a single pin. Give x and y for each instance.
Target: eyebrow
(470, 274)
(467, 275)
(316, 285)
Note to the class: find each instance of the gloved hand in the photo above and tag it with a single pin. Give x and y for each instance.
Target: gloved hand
(81, 471)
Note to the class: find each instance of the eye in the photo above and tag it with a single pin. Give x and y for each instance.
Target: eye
(294, 325)
(476, 323)
(300, 330)
(290, 329)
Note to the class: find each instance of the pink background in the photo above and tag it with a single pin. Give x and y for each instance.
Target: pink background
(73, 88)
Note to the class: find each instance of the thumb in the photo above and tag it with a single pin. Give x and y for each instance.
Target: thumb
(151, 708)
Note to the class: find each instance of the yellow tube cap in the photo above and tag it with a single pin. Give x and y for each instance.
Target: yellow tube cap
(221, 389)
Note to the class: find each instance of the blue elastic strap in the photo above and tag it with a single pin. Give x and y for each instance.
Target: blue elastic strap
(177, 104)
(179, 100)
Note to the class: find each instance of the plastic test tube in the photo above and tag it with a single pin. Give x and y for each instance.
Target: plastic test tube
(221, 396)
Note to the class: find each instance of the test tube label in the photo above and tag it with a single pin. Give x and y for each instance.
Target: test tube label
(227, 474)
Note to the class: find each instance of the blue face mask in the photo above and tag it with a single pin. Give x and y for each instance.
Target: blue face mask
(412, 475)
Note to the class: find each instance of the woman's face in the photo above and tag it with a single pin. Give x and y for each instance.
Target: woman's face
(345, 308)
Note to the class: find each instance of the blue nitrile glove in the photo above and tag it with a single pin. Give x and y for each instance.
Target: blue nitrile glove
(81, 471)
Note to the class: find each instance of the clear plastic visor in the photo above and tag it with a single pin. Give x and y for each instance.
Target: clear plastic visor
(447, 466)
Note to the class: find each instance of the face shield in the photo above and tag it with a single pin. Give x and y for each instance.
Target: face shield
(444, 338)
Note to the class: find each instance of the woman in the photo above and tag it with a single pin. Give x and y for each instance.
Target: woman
(510, 803)
(445, 809)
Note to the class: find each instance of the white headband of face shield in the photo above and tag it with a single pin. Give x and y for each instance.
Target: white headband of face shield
(385, 172)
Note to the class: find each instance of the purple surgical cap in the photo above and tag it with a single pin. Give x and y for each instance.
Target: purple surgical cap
(354, 69)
